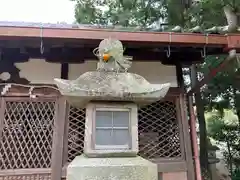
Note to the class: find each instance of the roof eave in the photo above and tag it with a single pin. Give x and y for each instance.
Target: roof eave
(188, 39)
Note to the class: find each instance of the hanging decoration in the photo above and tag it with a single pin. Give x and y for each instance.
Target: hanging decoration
(7, 87)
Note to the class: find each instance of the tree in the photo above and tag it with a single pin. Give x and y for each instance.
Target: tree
(221, 94)
(223, 86)
(209, 13)
(225, 131)
(126, 13)
(222, 91)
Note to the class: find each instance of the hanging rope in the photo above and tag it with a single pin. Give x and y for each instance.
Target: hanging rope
(7, 87)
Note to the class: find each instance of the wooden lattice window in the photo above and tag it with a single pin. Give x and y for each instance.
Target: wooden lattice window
(159, 132)
(27, 133)
(158, 128)
(76, 128)
(27, 177)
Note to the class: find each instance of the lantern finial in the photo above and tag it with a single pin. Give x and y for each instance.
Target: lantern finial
(110, 55)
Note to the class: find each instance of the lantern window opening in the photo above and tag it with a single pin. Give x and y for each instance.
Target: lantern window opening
(113, 128)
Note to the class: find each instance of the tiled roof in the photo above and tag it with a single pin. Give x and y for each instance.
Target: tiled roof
(214, 37)
(38, 24)
(197, 29)
(58, 25)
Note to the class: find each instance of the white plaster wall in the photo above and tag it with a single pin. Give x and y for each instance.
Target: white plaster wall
(154, 72)
(42, 72)
(38, 71)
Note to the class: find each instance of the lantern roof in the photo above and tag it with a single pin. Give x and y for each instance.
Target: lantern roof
(111, 81)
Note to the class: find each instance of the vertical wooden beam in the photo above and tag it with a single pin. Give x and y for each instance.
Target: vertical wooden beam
(58, 137)
(181, 134)
(187, 140)
(64, 70)
(2, 111)
(200, 118)
(65, 140)
(179, 73)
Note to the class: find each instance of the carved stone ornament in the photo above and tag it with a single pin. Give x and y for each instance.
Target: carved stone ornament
(111, 81)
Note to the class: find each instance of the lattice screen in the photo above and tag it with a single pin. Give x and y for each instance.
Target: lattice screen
(27, 177)
(76, 132)
(158, 128)
(27, 135)
(158, 131)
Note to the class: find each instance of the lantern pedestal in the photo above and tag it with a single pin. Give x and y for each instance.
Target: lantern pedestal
(120, 168)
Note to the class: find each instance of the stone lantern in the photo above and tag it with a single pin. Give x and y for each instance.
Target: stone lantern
(111, 96)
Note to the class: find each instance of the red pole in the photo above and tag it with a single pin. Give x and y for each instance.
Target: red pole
(193, 132)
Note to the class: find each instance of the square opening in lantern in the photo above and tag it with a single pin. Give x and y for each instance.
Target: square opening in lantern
(111, 128)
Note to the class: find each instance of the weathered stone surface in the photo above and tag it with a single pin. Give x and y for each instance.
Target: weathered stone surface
(134, 168)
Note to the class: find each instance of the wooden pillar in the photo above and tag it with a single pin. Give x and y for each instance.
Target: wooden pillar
(65, 140)
(179, 73)
(186, 138)
(2, 111)
(58, 138)
(64, 75)
(64, 70)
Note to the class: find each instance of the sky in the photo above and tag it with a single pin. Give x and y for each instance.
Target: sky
(46, 11)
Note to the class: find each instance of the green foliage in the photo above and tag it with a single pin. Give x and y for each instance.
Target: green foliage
(126, 13)
(236, 175)
(209, 13)
(224, 130)
(220, 93)
(146, 13)
(172, 6)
